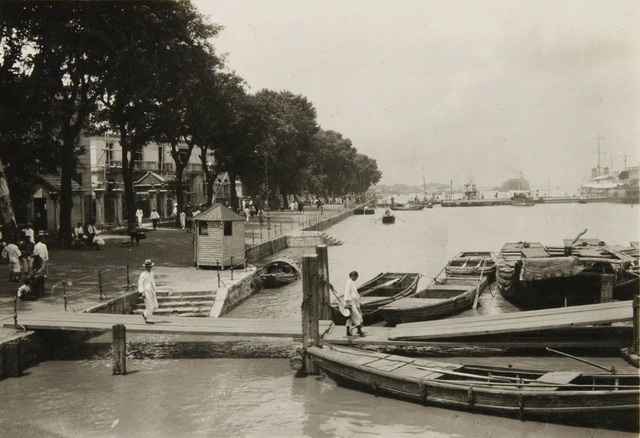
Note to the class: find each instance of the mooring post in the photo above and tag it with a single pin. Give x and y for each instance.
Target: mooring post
(323, 272)
(606, 288)
(636, 323)
(310, 326)
(100, 283)
(119, 349)
(13, 359)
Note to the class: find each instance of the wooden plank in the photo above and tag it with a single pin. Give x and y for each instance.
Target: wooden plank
(515, 322)
(165, 325)
(559, 377)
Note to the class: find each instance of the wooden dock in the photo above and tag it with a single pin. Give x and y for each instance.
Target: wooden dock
(102, 322)
(535, 320)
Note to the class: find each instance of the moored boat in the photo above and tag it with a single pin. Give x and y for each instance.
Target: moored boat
(278, 272)
(522, 199)
(380, 290)
(571, 397)
(443, 297)
(472, 263)
(410, 206)
(532, 275)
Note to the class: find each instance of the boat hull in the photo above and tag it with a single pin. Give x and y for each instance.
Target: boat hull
(379, 291)
(532, 276)
(438, 300)
(448, 385)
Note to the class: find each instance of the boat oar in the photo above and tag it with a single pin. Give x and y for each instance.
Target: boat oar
(611, 369)
(475, 300)
(578, 237)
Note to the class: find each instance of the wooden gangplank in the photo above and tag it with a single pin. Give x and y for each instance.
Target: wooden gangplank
(535, 320)
(164, 324)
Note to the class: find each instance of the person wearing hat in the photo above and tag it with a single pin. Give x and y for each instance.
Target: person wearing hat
(147, 288)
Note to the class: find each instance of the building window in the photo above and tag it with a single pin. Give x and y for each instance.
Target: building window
(228, 228)
(160, 157)
(109, 152)
(78, 178)
(203, 228)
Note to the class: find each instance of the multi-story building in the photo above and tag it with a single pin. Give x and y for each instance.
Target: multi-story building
(100, 174)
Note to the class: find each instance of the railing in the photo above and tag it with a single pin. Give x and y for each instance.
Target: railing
(9, 311)
(101, 285)
(220, 269)
(278, 223)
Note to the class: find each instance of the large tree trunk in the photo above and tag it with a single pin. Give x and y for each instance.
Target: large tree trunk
(232, 191)
(7, 216)
(127, 177)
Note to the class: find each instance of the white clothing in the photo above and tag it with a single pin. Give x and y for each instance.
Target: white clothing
(41, 250)
(154, 215)
(30, 234)
(139, 215)
(183, 220)
(147, 287)
(352, 297)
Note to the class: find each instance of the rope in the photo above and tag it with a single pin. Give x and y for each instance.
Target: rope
(333, 290)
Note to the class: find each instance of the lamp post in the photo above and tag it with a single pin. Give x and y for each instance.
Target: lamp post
(266, 175)
(451, 190)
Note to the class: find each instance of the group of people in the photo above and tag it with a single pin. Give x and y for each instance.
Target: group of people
(154, 216)
(27, 256)
(86, 235)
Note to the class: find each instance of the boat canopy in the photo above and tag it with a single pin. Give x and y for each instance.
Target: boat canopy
(550, 267)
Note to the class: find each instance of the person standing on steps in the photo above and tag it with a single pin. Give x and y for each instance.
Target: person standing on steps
(147, 288)
(352, 302)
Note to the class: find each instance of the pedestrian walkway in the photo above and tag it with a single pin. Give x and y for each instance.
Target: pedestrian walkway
(170, 248)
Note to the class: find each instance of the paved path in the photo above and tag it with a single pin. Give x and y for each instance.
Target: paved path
(170, 248)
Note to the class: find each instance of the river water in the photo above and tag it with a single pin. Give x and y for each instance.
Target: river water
(192, 393)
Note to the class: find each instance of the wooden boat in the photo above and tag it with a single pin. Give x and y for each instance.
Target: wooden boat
(364, 210)
(472, 263)
(278, 272)
(388, 218)
(407, 207)
(443, 297)
(570, 397)
(380, 290)
(532, 275)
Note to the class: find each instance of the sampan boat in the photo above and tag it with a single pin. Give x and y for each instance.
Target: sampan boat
(407, 207)
(380, 290)
(532, 275)
(388, 218)
(571, 397)
(472, 263)
(278, 272)
(443, 297)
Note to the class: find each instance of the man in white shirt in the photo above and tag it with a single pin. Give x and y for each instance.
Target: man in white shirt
(40, 249)
(147, 288)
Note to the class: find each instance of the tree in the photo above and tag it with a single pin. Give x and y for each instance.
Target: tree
(158, 37)
(287, 126)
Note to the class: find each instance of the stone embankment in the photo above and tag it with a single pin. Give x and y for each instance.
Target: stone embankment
(183, 289)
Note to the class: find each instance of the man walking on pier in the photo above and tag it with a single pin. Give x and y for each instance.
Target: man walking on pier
(352, 302)
(147, 288)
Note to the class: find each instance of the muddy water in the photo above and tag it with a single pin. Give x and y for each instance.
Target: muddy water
(196, 396)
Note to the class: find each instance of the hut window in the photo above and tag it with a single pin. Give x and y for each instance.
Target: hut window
(228, 228)
(204, 228)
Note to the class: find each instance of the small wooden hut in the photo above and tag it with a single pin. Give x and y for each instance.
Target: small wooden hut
(219, 237)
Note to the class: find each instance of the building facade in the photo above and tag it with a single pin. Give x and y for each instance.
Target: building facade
(100, 174)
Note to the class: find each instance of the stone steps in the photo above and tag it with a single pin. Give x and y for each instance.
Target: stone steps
(192, 303)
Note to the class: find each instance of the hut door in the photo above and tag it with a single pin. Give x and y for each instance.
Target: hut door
(40, 214)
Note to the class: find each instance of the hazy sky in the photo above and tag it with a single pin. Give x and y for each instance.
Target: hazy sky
(453, 90)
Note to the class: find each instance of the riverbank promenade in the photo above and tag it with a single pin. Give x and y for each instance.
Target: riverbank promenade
(91, 277)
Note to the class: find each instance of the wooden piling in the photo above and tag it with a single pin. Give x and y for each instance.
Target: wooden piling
(635, 348)
(606, 288)
(13, 359)
(310, 311)
(119, 349)
(323, 272)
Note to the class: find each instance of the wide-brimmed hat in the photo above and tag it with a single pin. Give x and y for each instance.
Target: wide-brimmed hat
(148, 262)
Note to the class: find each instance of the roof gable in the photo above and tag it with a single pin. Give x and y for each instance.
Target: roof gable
(218, 212)
(150, 178)
(53, 183)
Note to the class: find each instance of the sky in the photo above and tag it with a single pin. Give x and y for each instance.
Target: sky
(460, 91)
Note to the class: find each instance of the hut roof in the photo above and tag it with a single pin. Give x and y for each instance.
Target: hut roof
(54, 182)
(218, 212)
